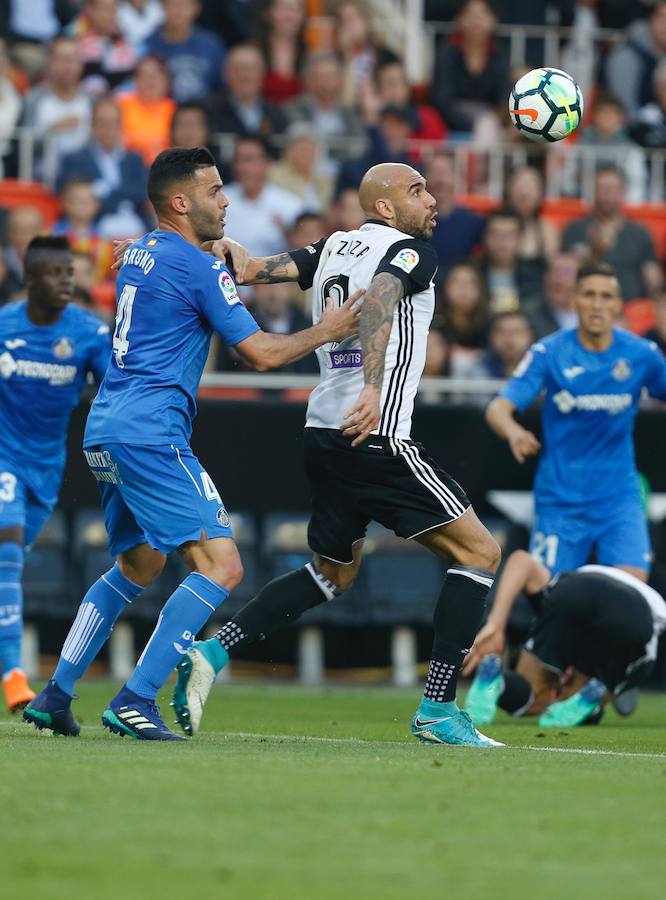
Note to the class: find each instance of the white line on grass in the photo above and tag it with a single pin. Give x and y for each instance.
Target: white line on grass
(317, 739)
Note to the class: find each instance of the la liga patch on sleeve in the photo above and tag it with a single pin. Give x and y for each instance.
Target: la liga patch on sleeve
(228, 288)
(405, 259)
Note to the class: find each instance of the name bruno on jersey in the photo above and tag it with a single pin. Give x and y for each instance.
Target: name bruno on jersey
(342, 264)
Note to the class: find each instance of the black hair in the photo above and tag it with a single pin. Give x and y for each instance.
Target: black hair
(42, 245)
(305, 215)
(612, 169)
(171, 166)
(503, 212)
(255, 139)
(600, 268)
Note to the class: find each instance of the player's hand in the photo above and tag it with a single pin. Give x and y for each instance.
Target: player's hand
(523, 444)
(363, 418)
(119, 248)
(490, 639)
(232, 254)
(341, 322)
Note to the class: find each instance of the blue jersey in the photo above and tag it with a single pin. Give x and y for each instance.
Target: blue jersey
(171, 297)
(43, 369)
(588, 414)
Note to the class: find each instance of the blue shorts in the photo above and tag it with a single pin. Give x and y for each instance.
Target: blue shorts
(565, 537)
(157, 495)
(27, 496)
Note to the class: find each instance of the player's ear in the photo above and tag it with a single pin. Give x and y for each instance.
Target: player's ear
(384, 208)
(179, 204)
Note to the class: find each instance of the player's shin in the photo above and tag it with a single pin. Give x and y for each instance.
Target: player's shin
(11, 606)
(457, 618)
(279, 603)
(99, 609)
(184, 614)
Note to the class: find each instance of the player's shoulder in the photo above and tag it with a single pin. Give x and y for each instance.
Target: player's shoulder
(11, 311)
(552, 343)
(407, 252)
(85, 322)
(634, 344)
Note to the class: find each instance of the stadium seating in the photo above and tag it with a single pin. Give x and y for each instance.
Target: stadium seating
(14, 192)
(47, 588)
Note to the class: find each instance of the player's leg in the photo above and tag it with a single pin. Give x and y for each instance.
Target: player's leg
(13, 514)
(562, 538)
(474, 557)
(623, 537)
(136, 567)
(177, 505)
(335, 534)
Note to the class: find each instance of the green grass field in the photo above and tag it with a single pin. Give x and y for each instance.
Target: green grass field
(298, 794)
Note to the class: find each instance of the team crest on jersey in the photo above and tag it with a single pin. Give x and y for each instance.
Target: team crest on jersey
(406, 259)
(63, 348)
(621, 370)
(228, 288)
(222, 517)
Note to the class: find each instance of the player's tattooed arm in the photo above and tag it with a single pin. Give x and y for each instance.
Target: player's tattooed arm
(375, 329)
(376, 321)
(271, 269)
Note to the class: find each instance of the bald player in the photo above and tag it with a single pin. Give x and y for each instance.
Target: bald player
(360, 460)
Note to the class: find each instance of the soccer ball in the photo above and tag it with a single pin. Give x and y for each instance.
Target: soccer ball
(546, 105)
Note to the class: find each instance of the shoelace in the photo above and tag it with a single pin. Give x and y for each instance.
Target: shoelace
(468, 723)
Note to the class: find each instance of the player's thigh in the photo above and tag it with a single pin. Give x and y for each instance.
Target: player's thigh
(13, 504)
(217, 559)
(171, 496)
(124, 532)
(37, 514)
(336, 525)
(623, 538)
(465, 541)
(561, 538)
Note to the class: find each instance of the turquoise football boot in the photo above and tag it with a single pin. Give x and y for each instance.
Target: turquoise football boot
(485, 691)
(454, 727)
(196, 673)
(585, 704)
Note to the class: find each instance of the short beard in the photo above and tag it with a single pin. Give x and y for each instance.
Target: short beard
(203, 227)
(422, 232)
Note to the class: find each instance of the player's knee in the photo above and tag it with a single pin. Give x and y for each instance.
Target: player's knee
(343, 577)
(142, 569)
(228, 573)
(489, 554)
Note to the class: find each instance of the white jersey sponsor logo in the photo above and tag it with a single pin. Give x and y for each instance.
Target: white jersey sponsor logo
(610, 403)
(54, 373)
(348, 262)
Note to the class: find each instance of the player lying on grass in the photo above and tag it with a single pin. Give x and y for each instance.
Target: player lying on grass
(360, 460)
(601, 621)
(48, 348)
(156, 495)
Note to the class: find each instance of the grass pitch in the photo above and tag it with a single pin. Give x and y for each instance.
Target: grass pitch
(297, 794)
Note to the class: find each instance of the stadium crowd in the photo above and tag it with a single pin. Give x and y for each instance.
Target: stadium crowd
(297, 98)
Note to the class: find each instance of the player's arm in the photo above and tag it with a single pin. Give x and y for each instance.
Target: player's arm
(375, 329)
(263, 351)
(500, 417)
(296, 265)
(655, 381)
(101, 353)
(521, 572)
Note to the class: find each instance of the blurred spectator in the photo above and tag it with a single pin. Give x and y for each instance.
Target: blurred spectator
(322, 108)
(240, 108)
(509, 339)
(280, 36)
(437, 358)
(607, 236)
(194, 56)
(10, 284)
(232, 20)
(59, 109)
(388, 142)
(630, 65)
(359, 48)
(658, 333)
(118, 175)
(108, 58)
(650, 126)
(393, 90)
(458, 230)
(102, 294)
(556, 310)
(148, 110)
(462, 309)
(608, 138)
(345, 213)
(81, 209)
(510, 280)
(539, 240)
(277, 310)
(298, 171)
(138, 19)
(10, 106)
(259, 213)
(471, 71)
(308, 228)
(190, 128)
(23, 224)
(36, 21)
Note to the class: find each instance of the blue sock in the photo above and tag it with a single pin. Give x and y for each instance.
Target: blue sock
(99, 609)
(11, 606)
(186, 611)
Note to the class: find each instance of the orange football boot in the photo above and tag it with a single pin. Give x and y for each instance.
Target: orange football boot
(18, 692)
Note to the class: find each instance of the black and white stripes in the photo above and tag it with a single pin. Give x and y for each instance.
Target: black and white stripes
(424, 472)
(390, 419)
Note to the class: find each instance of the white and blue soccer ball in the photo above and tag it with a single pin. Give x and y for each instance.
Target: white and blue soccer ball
(546, 105)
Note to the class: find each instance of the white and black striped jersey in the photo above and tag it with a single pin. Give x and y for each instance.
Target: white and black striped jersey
(340, 265)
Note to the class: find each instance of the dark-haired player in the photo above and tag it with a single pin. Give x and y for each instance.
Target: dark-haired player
(47, 348)
(587, 498)
(156, 495)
